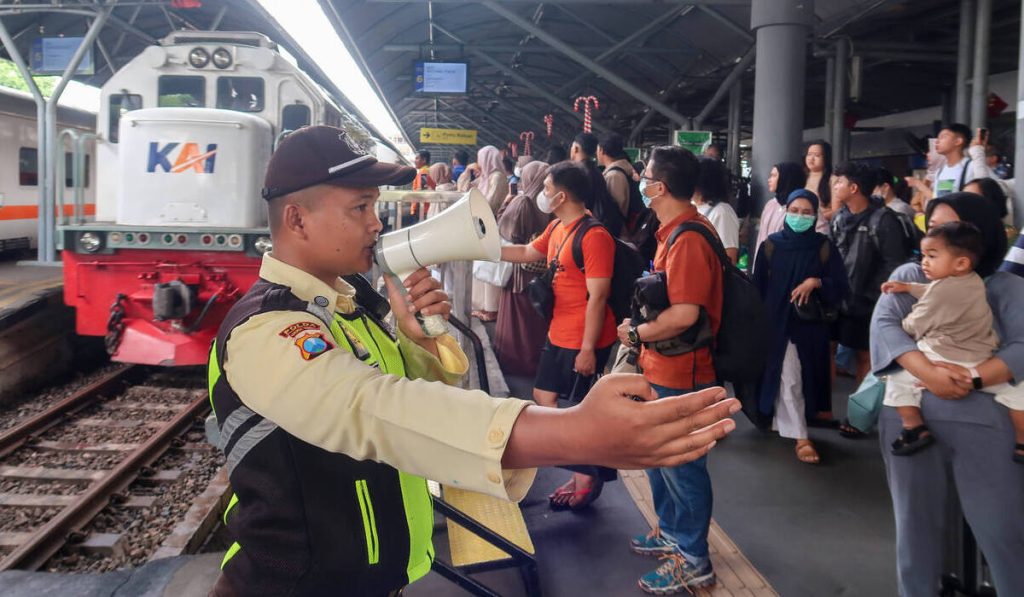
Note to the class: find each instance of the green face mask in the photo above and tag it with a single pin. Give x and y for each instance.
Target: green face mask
(799, 222)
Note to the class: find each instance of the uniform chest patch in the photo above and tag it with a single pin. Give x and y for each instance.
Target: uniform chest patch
(312, 345)
(297, 328)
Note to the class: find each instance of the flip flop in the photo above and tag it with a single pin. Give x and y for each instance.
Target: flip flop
(849, 431)
(807, 458)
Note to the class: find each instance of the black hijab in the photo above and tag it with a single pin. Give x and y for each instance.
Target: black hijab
(982, 213)
(791, 178)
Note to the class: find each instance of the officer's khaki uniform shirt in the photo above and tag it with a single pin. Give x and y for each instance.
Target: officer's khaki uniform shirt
(335, 401)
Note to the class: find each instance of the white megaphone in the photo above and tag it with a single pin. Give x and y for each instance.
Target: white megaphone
(465, 231)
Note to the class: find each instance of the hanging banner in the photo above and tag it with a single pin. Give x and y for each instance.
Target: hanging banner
(448, 136)
(695, 141)
(51, 55)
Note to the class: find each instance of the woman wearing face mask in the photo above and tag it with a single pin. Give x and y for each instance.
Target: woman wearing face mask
(783, 179)
(798, 267)
(520, 332)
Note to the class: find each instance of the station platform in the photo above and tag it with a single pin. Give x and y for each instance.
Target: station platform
(25, 288)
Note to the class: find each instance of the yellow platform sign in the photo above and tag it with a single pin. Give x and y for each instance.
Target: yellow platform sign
(448, 136)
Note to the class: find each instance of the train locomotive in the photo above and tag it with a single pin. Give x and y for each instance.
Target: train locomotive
(184, 134)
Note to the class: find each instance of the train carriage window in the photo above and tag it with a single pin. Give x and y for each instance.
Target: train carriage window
(28, 167)
(119, 104)
(241, 94)
(294, 117)
(178, 91)
(69, 176)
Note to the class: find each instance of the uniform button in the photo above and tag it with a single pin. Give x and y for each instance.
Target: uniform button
(494, 477)
(495, 436)
(321, 301)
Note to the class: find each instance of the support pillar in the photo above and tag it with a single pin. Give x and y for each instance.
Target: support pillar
(1018, 154)
(732, 154)
(839, 101)
(782, 28)
(962, 105)
(830, 94)
(982, 39)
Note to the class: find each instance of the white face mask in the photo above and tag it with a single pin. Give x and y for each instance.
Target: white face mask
(518, 172)
(544, 203)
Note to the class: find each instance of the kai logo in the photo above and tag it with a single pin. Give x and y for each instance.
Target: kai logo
(189, 157)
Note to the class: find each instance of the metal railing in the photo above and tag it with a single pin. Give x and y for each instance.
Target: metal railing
(79, 162)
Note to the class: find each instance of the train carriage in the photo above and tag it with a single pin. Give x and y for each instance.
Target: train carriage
(184, 134)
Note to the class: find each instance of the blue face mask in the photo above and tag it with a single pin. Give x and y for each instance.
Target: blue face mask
(799, 222)
(643, 194)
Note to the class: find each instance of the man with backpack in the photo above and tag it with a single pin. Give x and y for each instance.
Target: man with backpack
(582, 328)
(676, 357)
(619, 176)
(873, 242)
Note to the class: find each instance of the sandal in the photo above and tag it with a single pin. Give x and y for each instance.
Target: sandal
(849, 431)
(1018, 453)
(806, 453)
(912, 440)
(561, 499)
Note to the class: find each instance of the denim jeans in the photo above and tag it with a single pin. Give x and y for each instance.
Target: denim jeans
(682, 499)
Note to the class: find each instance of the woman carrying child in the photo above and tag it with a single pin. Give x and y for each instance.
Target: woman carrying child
(801, 276)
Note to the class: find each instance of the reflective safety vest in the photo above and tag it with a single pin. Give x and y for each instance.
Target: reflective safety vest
(307, 521)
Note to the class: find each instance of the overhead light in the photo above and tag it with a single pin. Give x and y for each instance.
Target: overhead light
(221, 58)
(198, 57)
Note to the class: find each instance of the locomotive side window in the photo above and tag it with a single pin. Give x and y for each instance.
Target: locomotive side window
(28, 167)
(241, 94)
(294, 117)
(119, 104)
(177, 91)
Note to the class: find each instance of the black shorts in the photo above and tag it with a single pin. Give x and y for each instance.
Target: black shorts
(852, 331)
(555, 370)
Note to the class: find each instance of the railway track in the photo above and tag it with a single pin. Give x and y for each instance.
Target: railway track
(95, 452)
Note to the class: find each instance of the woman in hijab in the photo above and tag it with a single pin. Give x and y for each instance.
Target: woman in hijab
(783, 179)
(798, 266)
(972, 431)
(441, 174)
(492, 181)
(818, 166)
(521, 332)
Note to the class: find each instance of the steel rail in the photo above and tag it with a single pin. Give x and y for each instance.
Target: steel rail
(49, 538)
(16, 436)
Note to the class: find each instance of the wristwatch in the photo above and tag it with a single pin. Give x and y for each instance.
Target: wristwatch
(976, 378)
(634, 336)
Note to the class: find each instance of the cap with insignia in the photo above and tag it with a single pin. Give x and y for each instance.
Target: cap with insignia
(316, 155)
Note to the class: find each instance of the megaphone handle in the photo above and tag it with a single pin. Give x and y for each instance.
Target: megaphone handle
(432, 325)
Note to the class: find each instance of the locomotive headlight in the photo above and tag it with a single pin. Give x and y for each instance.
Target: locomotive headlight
(89, 242)
(263, 245)
(221, 58)
(198, 57)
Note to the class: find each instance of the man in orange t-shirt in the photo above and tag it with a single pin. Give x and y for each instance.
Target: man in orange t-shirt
(582, 328)
(682, 494)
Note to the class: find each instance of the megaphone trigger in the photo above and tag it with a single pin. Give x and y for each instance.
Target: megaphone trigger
(432, 325)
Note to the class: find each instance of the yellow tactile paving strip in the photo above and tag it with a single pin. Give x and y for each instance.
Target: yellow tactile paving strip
(736, 576)
(501, 516)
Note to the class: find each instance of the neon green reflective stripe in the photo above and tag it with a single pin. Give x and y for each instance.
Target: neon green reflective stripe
(419, 514)
(235, 548)
(369, 523)
(213, 374)
(231, 504)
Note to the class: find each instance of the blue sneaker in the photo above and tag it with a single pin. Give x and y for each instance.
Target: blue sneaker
(652, 544)
(676, 575)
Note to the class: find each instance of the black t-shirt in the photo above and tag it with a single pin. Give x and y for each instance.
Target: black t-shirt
(872, 245)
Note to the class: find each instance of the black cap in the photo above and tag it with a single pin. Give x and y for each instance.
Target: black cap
(316, 155)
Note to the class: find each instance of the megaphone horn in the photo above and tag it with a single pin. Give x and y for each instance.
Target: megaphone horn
(465, 231)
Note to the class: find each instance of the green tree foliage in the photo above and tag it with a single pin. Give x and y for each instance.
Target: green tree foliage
(11, 77)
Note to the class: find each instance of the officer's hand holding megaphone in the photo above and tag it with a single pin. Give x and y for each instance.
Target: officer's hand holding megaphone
(424, 296)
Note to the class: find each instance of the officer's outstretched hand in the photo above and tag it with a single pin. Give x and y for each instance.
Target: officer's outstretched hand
(610, 428)
(423, 295)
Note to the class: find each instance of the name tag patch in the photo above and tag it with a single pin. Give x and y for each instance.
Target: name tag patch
(312, 345)
(297, 328)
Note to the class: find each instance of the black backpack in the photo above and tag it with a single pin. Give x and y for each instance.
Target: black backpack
(740, 344)
(629, 265)
(603, 205)
(912, 235)
(636, 208)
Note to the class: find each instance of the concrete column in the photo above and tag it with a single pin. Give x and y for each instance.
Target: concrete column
(839, 101)
(732, 154)
(963, 62)
(979, 88)
(782, 27)
(830, 94)
(1018, 154)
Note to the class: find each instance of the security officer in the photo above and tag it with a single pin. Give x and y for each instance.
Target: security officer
(331, 418)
